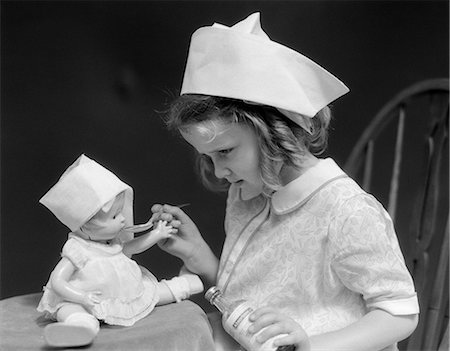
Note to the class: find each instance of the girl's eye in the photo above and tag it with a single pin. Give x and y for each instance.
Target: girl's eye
(224, 152)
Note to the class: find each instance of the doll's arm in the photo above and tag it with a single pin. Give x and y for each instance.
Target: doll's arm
(60, 283)
(146, 241)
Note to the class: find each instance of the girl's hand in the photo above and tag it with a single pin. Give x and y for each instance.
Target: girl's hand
(275, 323)
(187, 244)
(91, 298)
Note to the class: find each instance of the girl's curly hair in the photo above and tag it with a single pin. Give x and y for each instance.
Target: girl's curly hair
(280, 139)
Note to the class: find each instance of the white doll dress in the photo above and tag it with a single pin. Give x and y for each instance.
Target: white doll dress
(128, 291)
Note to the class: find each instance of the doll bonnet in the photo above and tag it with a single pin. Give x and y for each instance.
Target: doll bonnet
(83, 189)
(242, 62)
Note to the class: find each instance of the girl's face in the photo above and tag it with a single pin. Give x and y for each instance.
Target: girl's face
(233, 149)
(107, 225)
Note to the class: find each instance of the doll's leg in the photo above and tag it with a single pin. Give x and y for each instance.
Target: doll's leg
(75, 327)
(179, 288)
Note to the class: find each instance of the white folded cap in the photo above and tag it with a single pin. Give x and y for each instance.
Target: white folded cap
(83, 189)
(242, 62)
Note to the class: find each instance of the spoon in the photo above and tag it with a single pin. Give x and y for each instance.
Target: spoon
(137, 228)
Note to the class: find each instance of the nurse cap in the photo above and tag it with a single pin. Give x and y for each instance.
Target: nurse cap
(242, 62)
(83, 189)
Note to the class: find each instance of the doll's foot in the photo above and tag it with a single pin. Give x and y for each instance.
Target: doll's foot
(78, 329)
(195, 284)
(67, 335)
(184, 286)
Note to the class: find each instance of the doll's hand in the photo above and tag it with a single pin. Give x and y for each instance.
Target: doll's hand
(275, 323)
(162, 230)
(92, 298)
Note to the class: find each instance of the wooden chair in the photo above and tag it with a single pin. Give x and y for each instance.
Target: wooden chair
(402, 158)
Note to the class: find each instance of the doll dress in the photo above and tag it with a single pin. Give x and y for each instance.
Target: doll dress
(128, 291)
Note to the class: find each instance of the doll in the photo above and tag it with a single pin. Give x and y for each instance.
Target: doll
(96, 279)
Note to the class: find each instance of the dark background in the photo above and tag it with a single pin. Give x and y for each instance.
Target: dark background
(94, 77)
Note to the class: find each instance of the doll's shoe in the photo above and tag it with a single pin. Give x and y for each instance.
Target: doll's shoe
(184, 286)
(68, 335)
(195, 284)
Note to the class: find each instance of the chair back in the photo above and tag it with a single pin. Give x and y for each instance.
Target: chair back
(402, 157)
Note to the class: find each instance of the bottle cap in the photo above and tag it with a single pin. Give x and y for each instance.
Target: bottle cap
(212, 293)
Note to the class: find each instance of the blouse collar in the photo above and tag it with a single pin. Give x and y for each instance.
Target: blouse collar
(301, 189)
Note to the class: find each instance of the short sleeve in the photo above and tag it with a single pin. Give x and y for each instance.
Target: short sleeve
(367, 258)
(75, 252)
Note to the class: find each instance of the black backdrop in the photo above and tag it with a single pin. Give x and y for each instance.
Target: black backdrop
(93, 77)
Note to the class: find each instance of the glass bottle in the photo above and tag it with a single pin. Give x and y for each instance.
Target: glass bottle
(235, 321)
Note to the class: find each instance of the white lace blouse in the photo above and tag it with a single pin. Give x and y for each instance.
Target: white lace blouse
(321, 250)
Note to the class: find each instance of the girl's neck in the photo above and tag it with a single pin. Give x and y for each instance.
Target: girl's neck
(289, 173)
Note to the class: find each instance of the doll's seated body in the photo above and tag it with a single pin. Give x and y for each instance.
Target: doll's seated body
(96, 279)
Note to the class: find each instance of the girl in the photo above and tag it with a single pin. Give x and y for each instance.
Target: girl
(96, 279)
(304, 243)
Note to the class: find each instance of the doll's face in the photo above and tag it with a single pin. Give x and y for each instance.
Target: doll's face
(107, 225)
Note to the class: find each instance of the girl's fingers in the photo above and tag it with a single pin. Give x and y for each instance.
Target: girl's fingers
(172, 214)
(175, 223)
(291, 339)
(269, 323)
(263, 321)
(177, 212)
(260, 312)
(156, 208)
(154, 217)
(298, 338)
(166, 217)
(270, 332)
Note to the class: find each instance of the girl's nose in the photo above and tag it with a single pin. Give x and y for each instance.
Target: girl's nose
(121, 217)
(220, 170)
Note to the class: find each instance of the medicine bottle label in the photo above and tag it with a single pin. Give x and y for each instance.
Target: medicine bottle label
(237, 325)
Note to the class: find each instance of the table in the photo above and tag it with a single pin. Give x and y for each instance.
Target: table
(177, 326)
